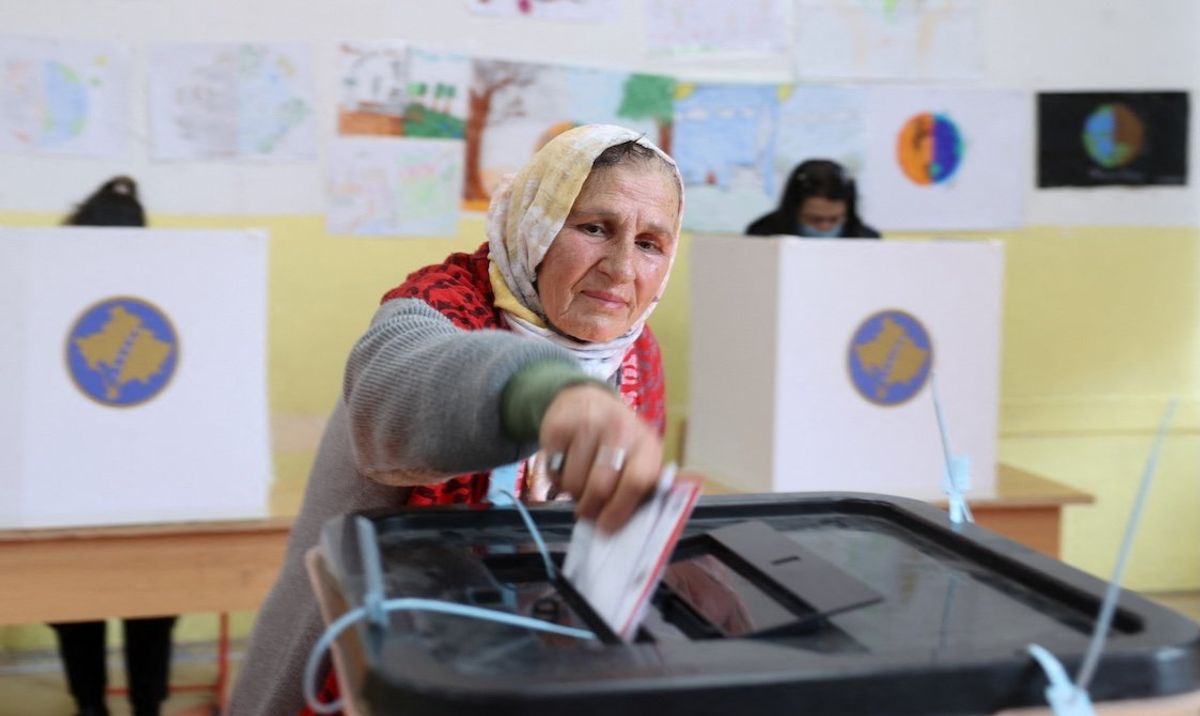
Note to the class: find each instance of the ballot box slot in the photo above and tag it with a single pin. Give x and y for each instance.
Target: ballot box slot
(747, 579)
(523, 587)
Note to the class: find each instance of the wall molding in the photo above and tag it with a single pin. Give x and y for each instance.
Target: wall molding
(1095, 415)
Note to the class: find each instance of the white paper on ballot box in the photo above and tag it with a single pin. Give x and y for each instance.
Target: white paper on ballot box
(617, 573)
(183, 433)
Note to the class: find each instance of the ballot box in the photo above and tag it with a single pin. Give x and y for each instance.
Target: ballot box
(813, 362)
(819, 603)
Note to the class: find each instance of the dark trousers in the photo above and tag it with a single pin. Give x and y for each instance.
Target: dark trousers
(147, 662)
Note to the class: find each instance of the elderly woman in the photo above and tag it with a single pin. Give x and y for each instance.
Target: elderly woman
(536, 340)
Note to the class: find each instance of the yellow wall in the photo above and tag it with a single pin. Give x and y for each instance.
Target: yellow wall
(1101, 326)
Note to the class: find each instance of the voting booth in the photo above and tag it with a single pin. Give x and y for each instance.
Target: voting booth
(133, 376)
(813, 362)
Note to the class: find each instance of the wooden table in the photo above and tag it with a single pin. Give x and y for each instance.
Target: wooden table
(78, 574)
(148, 570)
(136, 571)
(1027, 508)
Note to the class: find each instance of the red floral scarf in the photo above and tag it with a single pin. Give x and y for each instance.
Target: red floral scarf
(460, 290)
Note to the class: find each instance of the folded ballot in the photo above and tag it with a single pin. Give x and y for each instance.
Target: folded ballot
(617, 573)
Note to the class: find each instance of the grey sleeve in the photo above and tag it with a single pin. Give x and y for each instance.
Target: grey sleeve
(424, 397)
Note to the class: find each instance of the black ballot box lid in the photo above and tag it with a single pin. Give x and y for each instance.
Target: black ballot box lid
(821, 603)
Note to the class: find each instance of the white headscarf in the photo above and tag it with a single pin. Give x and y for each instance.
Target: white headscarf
(526, 214)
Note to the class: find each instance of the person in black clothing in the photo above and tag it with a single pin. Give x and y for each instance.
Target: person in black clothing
(147, 641)
(819, 201)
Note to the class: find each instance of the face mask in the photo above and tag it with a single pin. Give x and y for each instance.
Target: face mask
(809, 232)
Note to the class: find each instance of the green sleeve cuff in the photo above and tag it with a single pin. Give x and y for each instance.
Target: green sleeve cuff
(529, 392)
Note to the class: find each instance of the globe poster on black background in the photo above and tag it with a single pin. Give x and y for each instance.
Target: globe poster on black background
(1112, 138)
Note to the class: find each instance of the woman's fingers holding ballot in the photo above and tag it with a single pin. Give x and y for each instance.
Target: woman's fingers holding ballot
(601, 453)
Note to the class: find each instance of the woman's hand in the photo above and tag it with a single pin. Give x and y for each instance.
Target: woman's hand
(600, 452)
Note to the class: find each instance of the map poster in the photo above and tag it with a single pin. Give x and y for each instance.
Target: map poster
(1112, 138)
(232, 101)
(64, 98)
(391, 186)
(137, 389)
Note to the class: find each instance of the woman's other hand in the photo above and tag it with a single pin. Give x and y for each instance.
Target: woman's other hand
(600, 452)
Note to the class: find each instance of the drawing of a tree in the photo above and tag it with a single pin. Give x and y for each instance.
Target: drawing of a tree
(651, 97)
(487, 102)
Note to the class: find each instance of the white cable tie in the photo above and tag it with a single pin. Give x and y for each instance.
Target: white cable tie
(1064, 697)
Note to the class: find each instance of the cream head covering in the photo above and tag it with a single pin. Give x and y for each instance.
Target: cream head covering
(526, 214)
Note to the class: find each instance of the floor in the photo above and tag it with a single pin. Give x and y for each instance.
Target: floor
(34, 686)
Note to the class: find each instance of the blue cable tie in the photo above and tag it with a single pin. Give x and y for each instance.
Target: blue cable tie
(313, 665)
(372, 564)
(503, 480)
(533, 530)
(376, 607)
(956, 480)
(956, 476)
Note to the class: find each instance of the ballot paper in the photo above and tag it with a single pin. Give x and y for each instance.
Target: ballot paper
(617, 573)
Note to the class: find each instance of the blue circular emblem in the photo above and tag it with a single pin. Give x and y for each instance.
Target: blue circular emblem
(889, 357)
(122, 351)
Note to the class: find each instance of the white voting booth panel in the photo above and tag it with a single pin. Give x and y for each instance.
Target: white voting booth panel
(812, 362)
(132, 379)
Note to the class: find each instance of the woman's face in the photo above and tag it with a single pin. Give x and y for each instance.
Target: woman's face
(608, 262)
(822, 214)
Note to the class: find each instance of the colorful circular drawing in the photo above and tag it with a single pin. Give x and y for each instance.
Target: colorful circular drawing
(929, 148)
(889, 357)
(122, 351)
(1113, 135)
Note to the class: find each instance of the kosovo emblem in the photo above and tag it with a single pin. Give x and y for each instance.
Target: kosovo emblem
(889, 357)
(122, 351)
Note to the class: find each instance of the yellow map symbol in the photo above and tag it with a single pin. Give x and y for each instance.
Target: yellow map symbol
(124, 350)
(893, 355)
